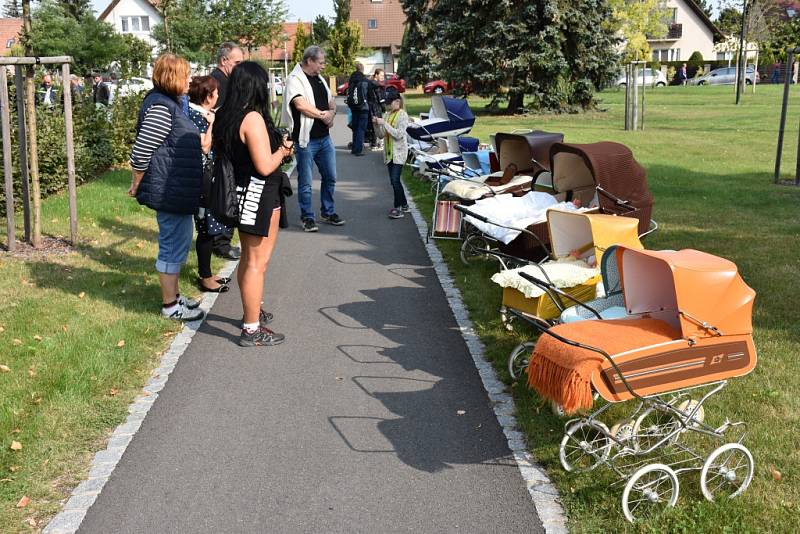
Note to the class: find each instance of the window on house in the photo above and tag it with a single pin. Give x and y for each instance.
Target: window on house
(9, 43)
(145, 24)
(135, 24)
(124, 21)
(677, 54)
(656, 55)
(674, 15)
(372, 24)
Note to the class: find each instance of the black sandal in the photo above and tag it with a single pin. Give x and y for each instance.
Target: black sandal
(223, 288)
(224, 281)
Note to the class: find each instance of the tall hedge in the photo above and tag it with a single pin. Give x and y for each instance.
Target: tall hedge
(102, 136)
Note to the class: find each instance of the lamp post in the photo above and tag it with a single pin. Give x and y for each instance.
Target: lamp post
(741, 65)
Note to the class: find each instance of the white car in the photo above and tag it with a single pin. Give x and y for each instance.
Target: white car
(278, 86)
(134, 86)
(651, 77)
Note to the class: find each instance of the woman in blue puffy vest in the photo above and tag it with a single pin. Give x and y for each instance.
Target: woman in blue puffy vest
(167, 177)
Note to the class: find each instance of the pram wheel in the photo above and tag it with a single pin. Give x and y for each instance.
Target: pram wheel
(475, 247)
(519, 358)
(656, 426)
(727, 472)
(649, 491)
(584, 446)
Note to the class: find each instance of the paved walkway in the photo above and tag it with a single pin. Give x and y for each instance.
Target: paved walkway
(352, 425)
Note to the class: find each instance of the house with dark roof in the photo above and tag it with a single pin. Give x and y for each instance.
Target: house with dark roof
(689, 30)
(9, 34)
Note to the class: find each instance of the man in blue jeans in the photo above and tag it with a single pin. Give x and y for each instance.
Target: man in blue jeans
(358, 102)
(309, 110)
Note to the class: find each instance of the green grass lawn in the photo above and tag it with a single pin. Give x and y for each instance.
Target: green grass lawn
(710, 166)
(80, 334)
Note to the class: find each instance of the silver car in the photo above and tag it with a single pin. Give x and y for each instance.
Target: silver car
(651, 78)
(725, 76)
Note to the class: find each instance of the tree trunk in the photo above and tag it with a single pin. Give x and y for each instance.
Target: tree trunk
(515, 103)
(33, 146)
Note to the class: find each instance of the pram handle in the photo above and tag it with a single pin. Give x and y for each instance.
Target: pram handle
(546, 329)
(653, 228)
(548, 287)
(616, 199)
(463, 209)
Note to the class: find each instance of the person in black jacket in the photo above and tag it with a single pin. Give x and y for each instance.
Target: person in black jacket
(101, 94)
(376, 99)
(228, 56)
(357, 90)
(167, 177)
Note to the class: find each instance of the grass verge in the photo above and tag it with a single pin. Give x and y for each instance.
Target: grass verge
(710, 169)
(80, 335)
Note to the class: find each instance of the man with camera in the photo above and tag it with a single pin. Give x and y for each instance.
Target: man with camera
(309, 110)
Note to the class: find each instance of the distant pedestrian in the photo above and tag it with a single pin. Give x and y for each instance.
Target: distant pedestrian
(395, 148)
(246, 136)
(47, 95)
(376, 99)
(683, 74)
(101, 94)
(357, 101)
(203, 94)
(76, 89)
(308, 111)
(228, 56)
(167, 177)
(776, 73)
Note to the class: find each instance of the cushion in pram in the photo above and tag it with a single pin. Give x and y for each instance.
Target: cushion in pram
(563, 373)
(475, 189)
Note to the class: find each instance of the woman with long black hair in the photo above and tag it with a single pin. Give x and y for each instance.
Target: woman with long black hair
(245, 134)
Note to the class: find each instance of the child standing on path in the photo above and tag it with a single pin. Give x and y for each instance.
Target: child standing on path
(395, 148)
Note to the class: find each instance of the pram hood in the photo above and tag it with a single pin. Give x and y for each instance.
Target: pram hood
(606, 165)
(529, 151)
(571, 230)
(700, 294)
(448, 116)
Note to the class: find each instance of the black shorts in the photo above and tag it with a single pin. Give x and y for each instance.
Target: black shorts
(257, 200)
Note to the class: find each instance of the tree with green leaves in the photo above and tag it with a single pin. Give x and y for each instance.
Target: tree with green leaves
(76, 9)
(91, 43)
(729, 21)
(415, 58)
(301, 41)
(635, 21)
(344, 41)
(558, 52)
(320, 30)
(705, 6)
(253, 23)
(188, 30)
(342, 10)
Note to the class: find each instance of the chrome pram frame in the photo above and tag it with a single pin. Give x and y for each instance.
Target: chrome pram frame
(651, 446)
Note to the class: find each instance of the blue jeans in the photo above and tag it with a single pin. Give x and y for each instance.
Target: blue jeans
(321, 152)
(395, 170)
(360, 118)
(174, 240)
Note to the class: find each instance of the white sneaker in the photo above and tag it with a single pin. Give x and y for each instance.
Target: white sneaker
(181, 313)
(190, 303)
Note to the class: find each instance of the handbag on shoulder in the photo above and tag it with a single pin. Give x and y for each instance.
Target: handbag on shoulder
(223, 202)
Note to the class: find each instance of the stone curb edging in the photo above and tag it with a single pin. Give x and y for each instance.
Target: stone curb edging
(543, 493)
(71, 516)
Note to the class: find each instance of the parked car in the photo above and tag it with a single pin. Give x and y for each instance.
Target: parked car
(437, 87)
(392, 80)
(726, 76)
(278, 86)
(652, 78)
(131, 86)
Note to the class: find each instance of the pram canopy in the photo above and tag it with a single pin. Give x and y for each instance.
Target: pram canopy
(449, 116)
(607, 170)
(570, 230)
(688, 289)
(529, 151)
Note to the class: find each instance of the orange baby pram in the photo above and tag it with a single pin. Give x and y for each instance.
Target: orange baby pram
(687, 332)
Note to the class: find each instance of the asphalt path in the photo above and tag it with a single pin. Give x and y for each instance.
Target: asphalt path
(370, 418)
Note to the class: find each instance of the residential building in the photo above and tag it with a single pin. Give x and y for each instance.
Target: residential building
(277, 51)
(689, 30)
(9, 34)
(382, 25)
(135, 17)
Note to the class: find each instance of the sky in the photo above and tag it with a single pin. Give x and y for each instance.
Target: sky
(303, 9)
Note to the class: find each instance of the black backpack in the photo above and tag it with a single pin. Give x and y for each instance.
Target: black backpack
(356, 96)
(222, 201)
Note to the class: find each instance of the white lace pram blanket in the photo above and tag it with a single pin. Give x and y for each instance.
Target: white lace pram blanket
(519, 212)
(563, 273)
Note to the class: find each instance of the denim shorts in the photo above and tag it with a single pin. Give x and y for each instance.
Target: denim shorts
(174, 241)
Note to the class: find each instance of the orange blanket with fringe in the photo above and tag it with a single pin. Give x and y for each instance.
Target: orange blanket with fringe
(563, 373)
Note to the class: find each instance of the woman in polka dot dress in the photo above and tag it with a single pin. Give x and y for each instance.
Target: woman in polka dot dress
(203, 94)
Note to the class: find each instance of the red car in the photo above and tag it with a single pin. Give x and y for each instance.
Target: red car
(392, 80)
(439, 87)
